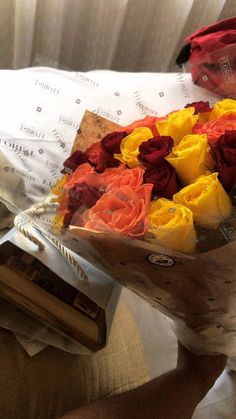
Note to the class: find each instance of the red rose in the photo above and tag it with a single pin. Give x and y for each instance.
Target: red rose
(82, 194)
(69, 219)
(153, 151)
(200, 106)
(164, 180)
(224, 151)
(111, 142)
(99, 158)
(79, 195)
(75, 160)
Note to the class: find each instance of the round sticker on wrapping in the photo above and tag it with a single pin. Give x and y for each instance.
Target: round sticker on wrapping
(161, 260)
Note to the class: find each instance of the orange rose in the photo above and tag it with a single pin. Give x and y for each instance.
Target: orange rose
(217, 127)
(109, 175)
(123, 211)
(115, 179)
(100, 180)
(148, 121)
(79, 175)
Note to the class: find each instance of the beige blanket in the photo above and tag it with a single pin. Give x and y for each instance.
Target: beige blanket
(53, 382)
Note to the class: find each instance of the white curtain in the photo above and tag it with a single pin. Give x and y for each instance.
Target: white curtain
(127, 35)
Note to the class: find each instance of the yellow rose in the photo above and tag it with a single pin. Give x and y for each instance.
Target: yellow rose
(58, 222)
(204, 117)
(178, 124)
(58, 187)
(129, 146)
(223, 107)
(172, 224)
(207, 200)
(191, 158)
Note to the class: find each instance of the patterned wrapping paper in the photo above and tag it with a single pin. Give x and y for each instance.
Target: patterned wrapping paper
(42, 108)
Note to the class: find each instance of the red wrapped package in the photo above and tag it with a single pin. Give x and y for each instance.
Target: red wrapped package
(211, 52)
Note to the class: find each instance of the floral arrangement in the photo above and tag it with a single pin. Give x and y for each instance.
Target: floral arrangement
(157, 179)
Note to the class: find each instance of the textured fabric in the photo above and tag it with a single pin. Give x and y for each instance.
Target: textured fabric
(126, 35)
(53, 382)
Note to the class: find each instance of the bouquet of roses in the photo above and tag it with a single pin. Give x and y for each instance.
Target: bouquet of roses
(158, 179)
(153, 205)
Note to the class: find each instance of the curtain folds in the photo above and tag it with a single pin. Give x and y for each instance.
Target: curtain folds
(126, 35)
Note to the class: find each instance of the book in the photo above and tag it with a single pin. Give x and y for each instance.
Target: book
(32, 286)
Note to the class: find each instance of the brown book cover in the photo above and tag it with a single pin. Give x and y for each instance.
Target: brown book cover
(28, 283)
